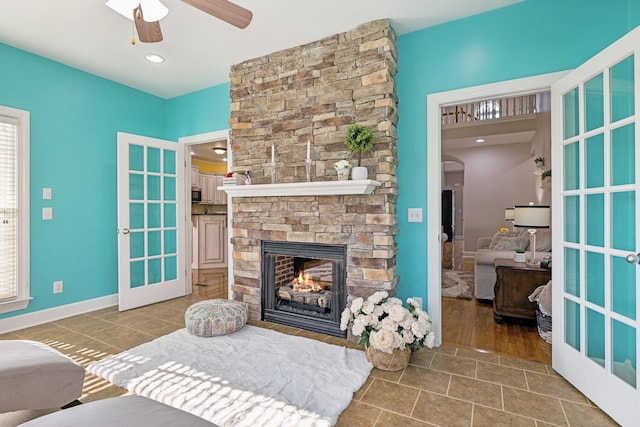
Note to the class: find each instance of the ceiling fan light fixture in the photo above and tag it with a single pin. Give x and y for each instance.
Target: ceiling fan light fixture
(154, 57)
(153, 10)
(123, 7)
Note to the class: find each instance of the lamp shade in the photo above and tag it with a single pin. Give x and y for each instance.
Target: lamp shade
(509, 214)
(532, 216)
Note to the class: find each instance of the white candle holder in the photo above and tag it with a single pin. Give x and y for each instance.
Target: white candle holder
(273, 172)
(308, 164)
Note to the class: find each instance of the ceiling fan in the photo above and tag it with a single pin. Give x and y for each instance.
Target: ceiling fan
(146, 14)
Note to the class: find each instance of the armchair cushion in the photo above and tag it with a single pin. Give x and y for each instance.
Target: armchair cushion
(543, 240)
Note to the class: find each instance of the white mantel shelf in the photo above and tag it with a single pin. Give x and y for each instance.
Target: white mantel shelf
(319, 188)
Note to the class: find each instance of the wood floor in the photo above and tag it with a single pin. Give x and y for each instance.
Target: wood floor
(469, 323)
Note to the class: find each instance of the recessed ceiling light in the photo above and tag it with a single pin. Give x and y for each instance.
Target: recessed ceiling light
(480, 140)
(155, 58)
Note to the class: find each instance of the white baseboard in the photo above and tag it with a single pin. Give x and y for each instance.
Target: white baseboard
(28, 320)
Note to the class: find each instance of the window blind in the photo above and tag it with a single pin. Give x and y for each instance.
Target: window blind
(8, 208)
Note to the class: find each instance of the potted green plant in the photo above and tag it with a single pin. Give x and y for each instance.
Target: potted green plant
(358, 139)
(519, 255)
(539, 161)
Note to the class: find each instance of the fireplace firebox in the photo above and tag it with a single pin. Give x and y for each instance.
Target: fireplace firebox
(304, 285)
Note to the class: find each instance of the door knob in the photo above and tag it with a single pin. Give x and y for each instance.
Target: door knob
(125, 231)
(633, 258)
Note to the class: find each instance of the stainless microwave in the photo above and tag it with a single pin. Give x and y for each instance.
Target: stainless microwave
(196, 195)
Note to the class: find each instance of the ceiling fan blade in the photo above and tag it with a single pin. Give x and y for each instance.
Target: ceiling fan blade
(148, 32)
(225, 10)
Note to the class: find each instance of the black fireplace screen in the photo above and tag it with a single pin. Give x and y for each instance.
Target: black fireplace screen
(304, 285)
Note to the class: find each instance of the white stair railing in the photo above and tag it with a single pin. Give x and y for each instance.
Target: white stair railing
(490, 109)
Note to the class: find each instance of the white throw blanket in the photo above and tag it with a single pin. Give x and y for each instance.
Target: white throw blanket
(253, 377)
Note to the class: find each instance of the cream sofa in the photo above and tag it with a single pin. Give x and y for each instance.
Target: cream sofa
(503, 245)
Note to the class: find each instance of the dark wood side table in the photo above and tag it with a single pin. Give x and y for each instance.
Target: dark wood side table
(515, 282)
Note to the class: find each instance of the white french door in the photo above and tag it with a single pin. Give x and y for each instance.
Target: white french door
(151, 221)
(595, 124)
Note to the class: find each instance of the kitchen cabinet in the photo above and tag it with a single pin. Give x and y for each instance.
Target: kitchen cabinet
(220, 197)
(210, 193)
(195, 176)
(212, 241)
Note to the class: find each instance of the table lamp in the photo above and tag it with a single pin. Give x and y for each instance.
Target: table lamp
(532, 217)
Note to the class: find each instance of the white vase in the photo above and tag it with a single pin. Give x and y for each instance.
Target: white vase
(359, 172)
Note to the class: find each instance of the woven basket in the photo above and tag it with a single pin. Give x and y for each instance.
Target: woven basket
(544, 326)
(395, 361)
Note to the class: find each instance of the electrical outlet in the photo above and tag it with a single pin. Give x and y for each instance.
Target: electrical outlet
(47, 214)
(419, 300)
(414, 214)
(57, 287)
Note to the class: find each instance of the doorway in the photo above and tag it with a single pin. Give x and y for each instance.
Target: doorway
(199, 144)
(434, 155)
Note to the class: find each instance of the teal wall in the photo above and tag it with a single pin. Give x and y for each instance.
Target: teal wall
(74, 120)
(199, 112)
(526, 39)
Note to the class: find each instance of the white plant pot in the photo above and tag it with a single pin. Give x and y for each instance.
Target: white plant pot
(517, 257)
(359, 173)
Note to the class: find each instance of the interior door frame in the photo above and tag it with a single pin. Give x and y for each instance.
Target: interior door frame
(187, 142)
(435, 101)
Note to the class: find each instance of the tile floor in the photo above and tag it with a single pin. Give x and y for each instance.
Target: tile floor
(447, 386)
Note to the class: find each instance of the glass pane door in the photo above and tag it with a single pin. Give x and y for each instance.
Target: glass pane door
(595, 317)
(149, 231)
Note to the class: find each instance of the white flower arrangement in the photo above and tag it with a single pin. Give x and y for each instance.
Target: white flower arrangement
(383, 323)
(342, 164)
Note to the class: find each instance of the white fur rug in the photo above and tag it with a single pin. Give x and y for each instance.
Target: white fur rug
(253, 377)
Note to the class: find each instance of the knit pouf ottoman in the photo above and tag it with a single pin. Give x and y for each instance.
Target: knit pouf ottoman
(215, 317)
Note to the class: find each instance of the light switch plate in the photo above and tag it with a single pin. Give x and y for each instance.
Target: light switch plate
(46, 194)
(415, 214)
(47, 214)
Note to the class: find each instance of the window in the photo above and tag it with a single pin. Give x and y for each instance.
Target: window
(14, 209)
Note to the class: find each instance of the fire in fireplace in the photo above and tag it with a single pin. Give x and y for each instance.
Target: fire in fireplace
(304, 285)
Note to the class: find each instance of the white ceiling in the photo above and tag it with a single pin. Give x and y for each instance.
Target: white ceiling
(205, 152)
(199, 49)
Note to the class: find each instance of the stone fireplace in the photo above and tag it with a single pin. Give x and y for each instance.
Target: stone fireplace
(309, 95)
(304, 285)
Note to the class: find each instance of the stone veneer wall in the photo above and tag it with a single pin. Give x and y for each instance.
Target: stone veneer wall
(313, 93)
